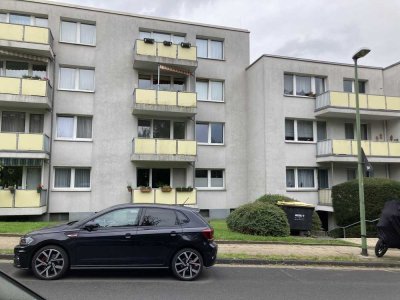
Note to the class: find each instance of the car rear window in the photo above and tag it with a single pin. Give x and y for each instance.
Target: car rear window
(182, 218)
(159, 217)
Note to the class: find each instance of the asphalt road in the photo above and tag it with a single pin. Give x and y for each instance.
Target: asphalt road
(220, 282)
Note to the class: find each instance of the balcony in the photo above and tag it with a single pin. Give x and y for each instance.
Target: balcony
(342, 104)
(145, 149)
(28, 39)
(24, 145)
(148, 56)
(167, 103)
(22, 202)
(26, 93)
(346, 151)
(157, 196)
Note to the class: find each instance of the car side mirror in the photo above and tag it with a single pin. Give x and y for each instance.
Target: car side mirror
(91, 225)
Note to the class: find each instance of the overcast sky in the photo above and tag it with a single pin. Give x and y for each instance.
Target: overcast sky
(318, 29)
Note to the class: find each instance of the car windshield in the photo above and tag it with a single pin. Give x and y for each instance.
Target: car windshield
(12, 289)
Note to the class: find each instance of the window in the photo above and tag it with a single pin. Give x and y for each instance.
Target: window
(157, 177)
(348, 86)
(351, 173)
(179, 130)
(349, 131)
(321, 131)
(144, 128)
(323, 182)
(210, 133)
(159, 217)
(119, 218)
(301, 178)
(167, 83)
(364, 132)
(74, 127)
(78, 33)
(72, 178)
(36, 123)
(17, 69)
(207, 48)
(299, 130)
(301, 85)
(161, 129)
(21, 69)
(209, 90)
(213, 179)
(76, 79)
(20, 19)
(12, 121)
(161, 37)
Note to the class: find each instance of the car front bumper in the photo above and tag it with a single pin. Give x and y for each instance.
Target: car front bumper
(21, 257)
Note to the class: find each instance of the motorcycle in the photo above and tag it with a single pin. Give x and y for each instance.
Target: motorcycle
(388, 228)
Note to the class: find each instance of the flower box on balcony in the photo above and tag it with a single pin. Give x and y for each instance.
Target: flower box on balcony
(145, 189)
(166, 189)
(184, 189)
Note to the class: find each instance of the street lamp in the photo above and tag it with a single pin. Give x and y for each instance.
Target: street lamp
(360, 53)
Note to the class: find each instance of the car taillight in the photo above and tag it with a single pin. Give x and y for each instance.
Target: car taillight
(208, 234)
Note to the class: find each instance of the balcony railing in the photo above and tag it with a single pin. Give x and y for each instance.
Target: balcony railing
(348, 100)
(164, 147)
(349, 148)
(325, 197)
(23, 199)
(171, 98)
(173, 197)
(26, 33)
(24, 142)
(25, 87)
(174, 51)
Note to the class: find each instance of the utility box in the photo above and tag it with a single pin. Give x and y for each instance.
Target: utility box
(299, 215)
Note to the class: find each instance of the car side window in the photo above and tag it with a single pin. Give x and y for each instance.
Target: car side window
(119, 218)
(159, 217)
(182, 218)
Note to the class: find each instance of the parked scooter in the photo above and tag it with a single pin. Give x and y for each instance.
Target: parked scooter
(388, 228)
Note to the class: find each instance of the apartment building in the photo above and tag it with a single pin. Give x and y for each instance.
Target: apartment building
(101, 108)
(305, 113)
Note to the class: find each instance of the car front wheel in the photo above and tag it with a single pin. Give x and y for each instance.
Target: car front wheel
(50, 262)
(187, 264)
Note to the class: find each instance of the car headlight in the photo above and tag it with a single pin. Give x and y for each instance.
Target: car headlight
(25, 240)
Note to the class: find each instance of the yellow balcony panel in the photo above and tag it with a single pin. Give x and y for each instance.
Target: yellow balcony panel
(166, 98)
(376, 102)
(341, 147)
(9, 85)
(362, 100)
(36, 35)
(186, 197)
(379, 149)
(187, 147)
(166, 146)
(27, 198)
(146, 49)
(145, 146)
(165, 197)
(187, 99)
(394, 149)
(325, 197)
(393, 103)
(34, 87)
(8, 141)
(364, 144)
(187, 53)
(11, 32)
(145, 96)
(140, 197)
(6, 198)
(339, 99)
(30, 142)
(166, 51)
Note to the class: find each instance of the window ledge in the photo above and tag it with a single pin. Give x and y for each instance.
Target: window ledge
(211, 189)
(68, 90)
(301, 189)
(299, 96)
(77, 44)
(214, 59)
(206, 144)
(300, 142)
(74, 140)
(71, 189)
(212, 101)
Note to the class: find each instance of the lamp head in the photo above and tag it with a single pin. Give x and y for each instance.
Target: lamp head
(361, 53)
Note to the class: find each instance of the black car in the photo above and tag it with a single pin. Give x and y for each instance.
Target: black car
(122, 236)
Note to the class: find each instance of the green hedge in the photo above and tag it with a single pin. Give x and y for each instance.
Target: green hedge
(377, 191)
(259, 219)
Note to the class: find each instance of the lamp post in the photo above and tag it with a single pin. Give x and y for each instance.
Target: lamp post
(361, 53)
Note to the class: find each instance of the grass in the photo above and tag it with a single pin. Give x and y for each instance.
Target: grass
(288, 257)
(23, 227)
(222, 233)
(6, 251)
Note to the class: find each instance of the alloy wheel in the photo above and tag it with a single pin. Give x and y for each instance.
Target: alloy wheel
(49, 263)
(188, 265)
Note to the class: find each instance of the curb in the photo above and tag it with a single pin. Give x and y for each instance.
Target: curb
(10, 235)
(279, 243)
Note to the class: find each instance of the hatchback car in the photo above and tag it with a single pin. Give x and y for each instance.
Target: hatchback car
(122, 236)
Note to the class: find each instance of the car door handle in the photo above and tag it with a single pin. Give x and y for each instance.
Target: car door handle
(173, 233)
(128, 235)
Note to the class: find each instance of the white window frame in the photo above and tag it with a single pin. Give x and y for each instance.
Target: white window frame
(313, 90)
(74, 138)
(27, 119)
(209, 134)
(209, 40)
(78, 33)
(314, 141)
(171, 35)
(353, 87)
(296, 183)
(76, 89)
(209, 187)
(209, 81)
(72, 181)
(171, 128)
(32, 17)
(30, 67)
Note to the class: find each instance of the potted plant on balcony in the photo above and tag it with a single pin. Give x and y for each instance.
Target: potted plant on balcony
(11, 188)
(166, 188)
(129, 188)
(184, 189)
(145, 189)
(39, 188)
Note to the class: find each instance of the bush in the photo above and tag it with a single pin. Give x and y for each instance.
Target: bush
(377, 191)
(259, 219)
(316, 222)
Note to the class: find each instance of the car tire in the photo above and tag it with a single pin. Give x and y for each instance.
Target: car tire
(50, 263)
(187, 264)
(380, 248)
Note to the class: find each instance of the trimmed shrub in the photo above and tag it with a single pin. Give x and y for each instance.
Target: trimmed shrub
(259, 219)
(316, 222)
(377, 191)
